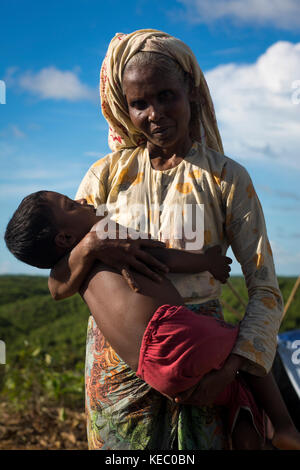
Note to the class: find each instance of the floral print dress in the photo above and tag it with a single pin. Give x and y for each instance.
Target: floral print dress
(123, 412)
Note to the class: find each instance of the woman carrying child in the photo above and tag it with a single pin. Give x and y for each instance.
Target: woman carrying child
(167, 150)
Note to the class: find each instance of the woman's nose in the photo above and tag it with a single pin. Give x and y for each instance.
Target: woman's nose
(155, 113)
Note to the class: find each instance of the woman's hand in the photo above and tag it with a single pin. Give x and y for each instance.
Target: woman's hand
(218, 265)
(69, 273)
(207, 390)
(127, 254)
(212, 384)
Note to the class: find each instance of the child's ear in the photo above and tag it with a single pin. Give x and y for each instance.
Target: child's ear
(64, 240)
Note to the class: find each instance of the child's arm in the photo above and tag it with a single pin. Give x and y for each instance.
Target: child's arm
(180, 261)
(69, 273)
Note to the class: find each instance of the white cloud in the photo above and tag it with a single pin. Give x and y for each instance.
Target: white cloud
(278, 13)
(256, 112)
(51, 83)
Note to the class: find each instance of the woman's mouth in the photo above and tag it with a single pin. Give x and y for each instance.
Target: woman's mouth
(160, 130)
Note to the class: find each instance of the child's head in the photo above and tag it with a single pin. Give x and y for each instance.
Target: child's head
(46, 226)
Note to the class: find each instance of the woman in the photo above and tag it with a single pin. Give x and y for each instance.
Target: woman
(167, 152)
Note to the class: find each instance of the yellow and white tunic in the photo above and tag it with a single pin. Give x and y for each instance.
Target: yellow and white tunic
(232, 216)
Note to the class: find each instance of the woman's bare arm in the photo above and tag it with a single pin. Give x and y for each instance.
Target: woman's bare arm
(181, 261)
(69, 273)
(212, 384)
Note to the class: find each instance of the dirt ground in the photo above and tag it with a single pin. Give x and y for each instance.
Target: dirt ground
(43, 429)
(46, 429)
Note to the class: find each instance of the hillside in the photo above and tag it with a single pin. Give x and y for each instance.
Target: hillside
(45, 348)
(28, 313)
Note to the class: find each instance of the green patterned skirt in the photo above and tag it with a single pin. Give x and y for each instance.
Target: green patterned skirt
(125, 413)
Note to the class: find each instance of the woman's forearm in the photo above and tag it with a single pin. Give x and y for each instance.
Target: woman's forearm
(213, 383)
(180, 261)
(69, 273)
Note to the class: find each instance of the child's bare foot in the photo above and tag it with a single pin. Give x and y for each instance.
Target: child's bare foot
(287, 439)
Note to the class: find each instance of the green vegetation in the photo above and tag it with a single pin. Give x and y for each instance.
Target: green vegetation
(45, 340)
(45, 344)
(286, 284)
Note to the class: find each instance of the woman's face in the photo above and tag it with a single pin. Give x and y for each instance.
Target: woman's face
(159, 106)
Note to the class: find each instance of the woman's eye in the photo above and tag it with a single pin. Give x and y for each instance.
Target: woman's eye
(166, 94)
(140, 104)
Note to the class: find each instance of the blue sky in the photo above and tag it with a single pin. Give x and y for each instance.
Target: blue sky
(51, 128)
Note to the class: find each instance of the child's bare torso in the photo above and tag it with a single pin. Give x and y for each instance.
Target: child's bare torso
(108, 296)
(111, 292)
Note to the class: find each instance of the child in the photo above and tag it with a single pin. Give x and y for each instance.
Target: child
(174, 346)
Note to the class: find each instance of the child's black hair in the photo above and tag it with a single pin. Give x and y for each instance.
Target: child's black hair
(30, 234)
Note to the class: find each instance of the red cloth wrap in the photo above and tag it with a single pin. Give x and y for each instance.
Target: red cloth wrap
(179, 347)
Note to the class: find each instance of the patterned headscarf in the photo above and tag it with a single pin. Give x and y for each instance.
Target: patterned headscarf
(122, 133)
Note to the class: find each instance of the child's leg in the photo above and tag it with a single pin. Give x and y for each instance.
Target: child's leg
(244, 435)
(268, 395)
(245, 419)
(179, 347)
